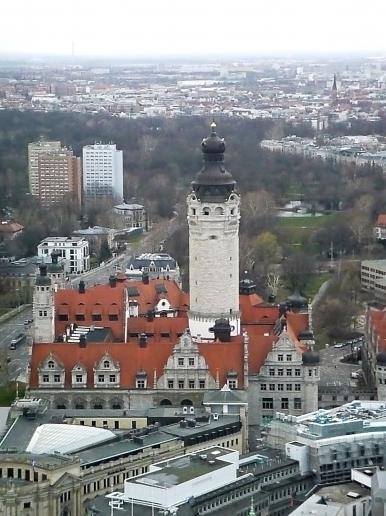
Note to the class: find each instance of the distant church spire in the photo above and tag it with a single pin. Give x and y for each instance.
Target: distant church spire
(334, 90)
(252, 510)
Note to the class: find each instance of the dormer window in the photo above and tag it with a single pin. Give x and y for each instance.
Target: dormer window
(232, 380)
(141, 379)
(51, 364)
(106, 364)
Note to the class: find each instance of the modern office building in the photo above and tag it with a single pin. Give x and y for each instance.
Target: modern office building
(102, 171)
(34, 150)
(73, 251)
(329, 443)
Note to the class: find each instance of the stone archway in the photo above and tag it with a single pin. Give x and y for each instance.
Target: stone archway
(165, 402)
(186, 402)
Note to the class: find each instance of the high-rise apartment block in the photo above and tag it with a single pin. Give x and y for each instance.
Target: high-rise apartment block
(34, 149)
(102, 171)
(54, 172)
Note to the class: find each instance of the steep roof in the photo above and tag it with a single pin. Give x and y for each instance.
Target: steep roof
(381, 220)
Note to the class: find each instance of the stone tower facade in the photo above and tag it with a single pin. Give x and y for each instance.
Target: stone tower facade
(213, 218)
(43, 307)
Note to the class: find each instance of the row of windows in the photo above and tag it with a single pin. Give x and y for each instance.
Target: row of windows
(181, 361)
(79, 378)
(181, 384)
(267, 403)
(280, 371)
(280, 386)
(22, 474)
(82, 317)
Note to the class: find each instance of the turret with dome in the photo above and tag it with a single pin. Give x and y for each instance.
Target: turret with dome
(213, 218)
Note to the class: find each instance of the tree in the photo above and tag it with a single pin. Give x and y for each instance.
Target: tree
(104, 251)
(298, 269)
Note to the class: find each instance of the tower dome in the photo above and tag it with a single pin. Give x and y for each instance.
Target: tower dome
(213, 182)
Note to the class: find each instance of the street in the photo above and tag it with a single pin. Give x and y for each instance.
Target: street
(18, 357)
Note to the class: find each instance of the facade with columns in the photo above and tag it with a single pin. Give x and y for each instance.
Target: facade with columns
(117, 346)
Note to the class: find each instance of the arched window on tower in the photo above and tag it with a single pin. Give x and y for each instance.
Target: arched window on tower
(206, 211)
(219, 210)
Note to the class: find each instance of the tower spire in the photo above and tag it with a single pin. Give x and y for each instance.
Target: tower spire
(252, 509)
(334, 91)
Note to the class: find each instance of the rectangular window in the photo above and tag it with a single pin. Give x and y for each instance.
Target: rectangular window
(46, 378)
(289, 358)
(284, 403)
(101, 378)
(297, 387)
(96, 317)
(180, 361)
(79, 378)
(271, 386)
(297, 403)
(57, 378)
(170, 384)
(181, 384)
(202, 384)
(191, 384)
(280, 387)
(232, 384)
(272, 372)
(280, 372)
(297, 372)
(191, 361)
(113, 317)
(80, 317)
(289, 387)
(112, 378)
(62, 317)
(289, 372)
(140, 384)
(268, 403)
(280, 358)
(263, 387)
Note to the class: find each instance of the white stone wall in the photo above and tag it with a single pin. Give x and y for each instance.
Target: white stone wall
(213, 262)
(43, 314)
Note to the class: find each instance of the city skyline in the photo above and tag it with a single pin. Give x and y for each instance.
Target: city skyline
(159, 29)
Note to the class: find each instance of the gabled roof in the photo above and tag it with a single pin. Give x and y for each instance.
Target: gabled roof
(225, 395)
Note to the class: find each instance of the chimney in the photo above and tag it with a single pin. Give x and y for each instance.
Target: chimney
(222, 330)
(54, 257)
(142, 340)
(113, 281)
(43, 269)
(145, 278)
(82, 287)
(82, 341)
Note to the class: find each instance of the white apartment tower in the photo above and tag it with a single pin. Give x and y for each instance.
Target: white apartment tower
(34, 149)
(213, 218)
(102, 171)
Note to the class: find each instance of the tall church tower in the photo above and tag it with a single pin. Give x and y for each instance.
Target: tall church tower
(213, 218)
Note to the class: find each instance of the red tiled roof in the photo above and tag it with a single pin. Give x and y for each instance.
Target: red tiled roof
(381, 220)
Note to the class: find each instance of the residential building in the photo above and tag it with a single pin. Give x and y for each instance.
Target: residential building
(34, 150)
(132, 215)
(59, 175)
(102, 171)
(156, 265)
(329, 443)
(373, 277)
(380, 227)
(74, 251)
(96, 236)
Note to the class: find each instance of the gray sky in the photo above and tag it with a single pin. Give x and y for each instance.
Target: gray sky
(178, 27)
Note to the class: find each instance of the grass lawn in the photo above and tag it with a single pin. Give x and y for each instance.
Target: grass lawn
(303, 222)
(8, 393)
(4, 310)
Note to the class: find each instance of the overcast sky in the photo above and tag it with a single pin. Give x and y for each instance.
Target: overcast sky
(191, 27)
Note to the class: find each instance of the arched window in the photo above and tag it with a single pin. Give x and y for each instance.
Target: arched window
(51, 364)
(219, 210)
(106, 364)
(206, 211)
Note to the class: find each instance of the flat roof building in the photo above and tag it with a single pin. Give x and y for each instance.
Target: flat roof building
(102, 171)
